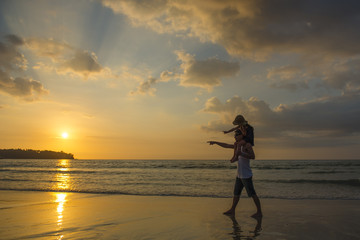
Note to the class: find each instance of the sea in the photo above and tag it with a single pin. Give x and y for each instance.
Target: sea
(283, 179)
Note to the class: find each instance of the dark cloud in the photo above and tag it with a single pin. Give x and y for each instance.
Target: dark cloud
(12, 66)
(205, 73)
(65, 59)
(287, 77)
(293, 26)
(330, 119)
(11, 59)
(291, 86)
(84, 63)
(320, 30)
(148, 86)
(344, 76)
(25, 88)
(193, 73)
(14, 39)
(255, 28)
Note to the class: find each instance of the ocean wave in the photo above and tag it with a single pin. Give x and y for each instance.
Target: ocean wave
(102, 165)
(348, 182)
(110, 192)
(58, 170)
(15, 180)
(330, 172)
(289, 197)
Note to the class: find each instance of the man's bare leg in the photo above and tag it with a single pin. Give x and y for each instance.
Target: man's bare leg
(231, 211)
(258, 206)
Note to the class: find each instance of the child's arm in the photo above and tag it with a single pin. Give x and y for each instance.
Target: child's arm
(231, 130)
(221, 144)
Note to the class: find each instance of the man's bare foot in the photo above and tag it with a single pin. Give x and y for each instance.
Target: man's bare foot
(257, 215)
(229, 212)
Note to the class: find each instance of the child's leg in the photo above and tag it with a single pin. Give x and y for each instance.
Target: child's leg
(236, 152)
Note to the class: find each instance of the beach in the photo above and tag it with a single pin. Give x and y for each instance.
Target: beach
(62, 215)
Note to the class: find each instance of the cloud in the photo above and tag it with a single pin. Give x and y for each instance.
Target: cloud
(344, 75)
(26, 88)
(82, 63)
(13, 65)
(254, 29)
(291, 86)
(50, 48)
(204, 73)
(140, 11)
(319, 33)
(324, 121)
(11, 59)
(191, 73)
(64, 60)
(284, 72)
(14, 40)
(288, 77)
(147, 86)
(340, 74)
(67, 59)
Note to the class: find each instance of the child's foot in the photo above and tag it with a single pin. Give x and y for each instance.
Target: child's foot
(233, 160)
(229, 212)
(257, 215)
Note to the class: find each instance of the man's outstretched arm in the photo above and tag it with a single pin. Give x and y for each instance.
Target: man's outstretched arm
(221, 144)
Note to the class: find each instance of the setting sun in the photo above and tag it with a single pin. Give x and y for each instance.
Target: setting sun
(65, 135)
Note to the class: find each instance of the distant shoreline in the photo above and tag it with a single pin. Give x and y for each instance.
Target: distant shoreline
(33, 154)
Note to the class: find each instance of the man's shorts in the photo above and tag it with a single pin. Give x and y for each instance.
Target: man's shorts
(240, 183)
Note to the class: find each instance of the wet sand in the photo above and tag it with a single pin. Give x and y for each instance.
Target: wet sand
(48, 215)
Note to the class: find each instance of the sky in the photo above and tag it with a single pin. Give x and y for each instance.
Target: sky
(157, 79)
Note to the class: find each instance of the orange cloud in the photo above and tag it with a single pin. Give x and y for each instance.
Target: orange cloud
(66, 58)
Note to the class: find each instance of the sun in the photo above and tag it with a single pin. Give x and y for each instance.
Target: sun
(65, 135)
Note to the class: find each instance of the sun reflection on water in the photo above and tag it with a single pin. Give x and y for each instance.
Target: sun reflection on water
(60, 200)
(62, 176)
(62, 184)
